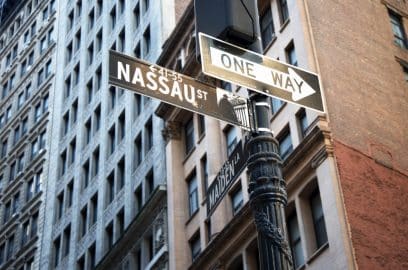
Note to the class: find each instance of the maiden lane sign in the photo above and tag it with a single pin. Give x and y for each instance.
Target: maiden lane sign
(227, 175)
(177, 89)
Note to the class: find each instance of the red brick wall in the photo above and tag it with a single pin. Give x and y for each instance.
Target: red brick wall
(376, 202)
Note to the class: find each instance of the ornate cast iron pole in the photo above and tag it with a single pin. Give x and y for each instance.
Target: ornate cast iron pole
(267, 189)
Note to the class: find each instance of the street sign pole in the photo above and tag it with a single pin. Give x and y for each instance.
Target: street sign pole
(267, 188)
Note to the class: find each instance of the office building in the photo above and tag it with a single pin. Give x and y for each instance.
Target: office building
(345, 169)
(27, 75)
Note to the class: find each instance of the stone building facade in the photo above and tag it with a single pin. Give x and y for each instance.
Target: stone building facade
(27, 76)
(344, 169)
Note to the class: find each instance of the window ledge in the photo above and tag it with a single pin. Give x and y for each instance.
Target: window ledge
(270, 44)
(200, 138)
(278, 111)
(192, 216)
(318, 252)
(190, 153)
(283, 26)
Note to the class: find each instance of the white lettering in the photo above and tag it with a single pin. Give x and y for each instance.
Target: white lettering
(122, 71)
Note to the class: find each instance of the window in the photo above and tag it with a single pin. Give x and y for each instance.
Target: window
(63, 162)
(189, 135)
(405, 75)
(25, 232)
(4, 148)
(267, 29)
(146, 5)
(50, 36)
(231, 139)
(237, 200)
(120, 222)
(57, 249)
(67, 240)
(65, 124)
(121, 43)
(60, 206)
(112, 139)
(16, 203)
(7, 211)
(283, 10)
(398, 29)
(95, 162)
(112, 97)
(78, 40)
(99, 4)
(70, 21)
(12, 171)
(195, 246)
(98, 78)
(318, 218)
(90, 54)
(69, 53)
(76, 74)
(84, 217)
(20, 163)
(43, 45)
(74, 111)
(2, 250)
(295, 241)
(45, 104)
(121, 174)
(137, 51)
(285, 144)
(110, 188)
(37, 112)
(70, 194)
(149, 183)
(109, 236)
(138, 199)
(12, 81)
(99, 41)
(97, 119)
(138, 153)
(148, 135)
(201, 125)
(72, 150)
(291, 54)
(16, 134)
(136, 14)
(276, 105)
(302, 122)
(78, 7)
(113, 17)
(146, 42)
(24, 126)
(192, 193)
(204, 173)
(88, 132)
(122, 122)
(34, 186)
(10, 247)
(89, 91)
(85, 174)
(94, 209)
(91, 20)
(21, 100)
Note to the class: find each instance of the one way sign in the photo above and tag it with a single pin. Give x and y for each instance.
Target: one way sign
(259, 73)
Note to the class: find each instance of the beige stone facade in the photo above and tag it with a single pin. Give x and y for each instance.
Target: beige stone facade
(362, 75)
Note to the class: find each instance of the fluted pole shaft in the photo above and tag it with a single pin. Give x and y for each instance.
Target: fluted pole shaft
(267, 190)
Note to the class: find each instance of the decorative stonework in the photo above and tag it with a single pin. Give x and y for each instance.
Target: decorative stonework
(172, 131)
